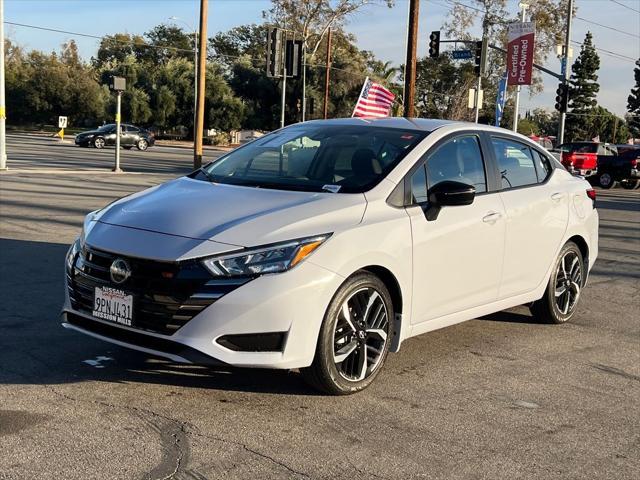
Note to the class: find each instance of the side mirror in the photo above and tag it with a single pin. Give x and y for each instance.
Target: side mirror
(448, 194)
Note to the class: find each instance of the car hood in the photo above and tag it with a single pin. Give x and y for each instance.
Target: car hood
(88, 132)
(234, 215)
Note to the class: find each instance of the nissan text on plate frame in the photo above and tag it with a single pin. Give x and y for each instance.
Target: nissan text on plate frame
(325, 245)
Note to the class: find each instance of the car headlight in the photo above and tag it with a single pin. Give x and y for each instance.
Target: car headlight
(271, 259)
(72, 254)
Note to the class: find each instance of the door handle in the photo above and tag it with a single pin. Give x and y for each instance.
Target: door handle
(556, 197)
(492, 217)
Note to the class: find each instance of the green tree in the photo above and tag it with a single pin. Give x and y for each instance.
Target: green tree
(583, 89)
(442, 87)
(633, 103)
(601, 123)
(166, 42)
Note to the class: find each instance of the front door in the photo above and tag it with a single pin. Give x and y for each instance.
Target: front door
(457, 258)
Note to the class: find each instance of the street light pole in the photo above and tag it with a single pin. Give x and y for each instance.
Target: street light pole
(523, 7)
(3, 105)
(565, 72)
(410, 64)
(195, 66)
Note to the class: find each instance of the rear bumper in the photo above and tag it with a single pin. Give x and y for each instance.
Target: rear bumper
(584, 172)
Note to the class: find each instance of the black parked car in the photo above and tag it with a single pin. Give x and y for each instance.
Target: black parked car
(131, 136)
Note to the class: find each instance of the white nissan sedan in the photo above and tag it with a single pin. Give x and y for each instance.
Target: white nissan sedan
(324, 245)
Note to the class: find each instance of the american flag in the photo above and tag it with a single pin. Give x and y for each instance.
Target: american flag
(374, 101)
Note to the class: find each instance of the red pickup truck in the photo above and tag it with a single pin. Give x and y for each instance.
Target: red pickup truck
(583, 157)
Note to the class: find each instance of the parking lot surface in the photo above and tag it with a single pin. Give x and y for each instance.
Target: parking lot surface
(498, 397)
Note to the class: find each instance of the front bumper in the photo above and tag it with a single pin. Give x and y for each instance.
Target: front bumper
(292, 303)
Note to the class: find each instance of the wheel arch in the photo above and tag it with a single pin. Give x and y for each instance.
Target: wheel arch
(395, 290)
(583, 246)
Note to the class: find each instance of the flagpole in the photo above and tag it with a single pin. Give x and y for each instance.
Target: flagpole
(364, 85)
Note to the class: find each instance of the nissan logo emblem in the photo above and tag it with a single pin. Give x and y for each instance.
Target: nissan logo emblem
(119, 271)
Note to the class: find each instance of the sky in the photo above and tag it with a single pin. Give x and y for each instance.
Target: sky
(376, 28)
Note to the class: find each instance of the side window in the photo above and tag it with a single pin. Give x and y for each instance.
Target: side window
(459, 160)
(419, 186)
(515, 163)
(131, 129)
(543, 166)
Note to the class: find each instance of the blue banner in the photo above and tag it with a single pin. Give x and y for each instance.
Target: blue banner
(501, 98)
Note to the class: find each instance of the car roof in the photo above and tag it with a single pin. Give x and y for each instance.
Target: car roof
(426, 124)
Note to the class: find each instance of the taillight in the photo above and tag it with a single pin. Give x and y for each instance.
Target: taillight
(634, 163)
(591, 193)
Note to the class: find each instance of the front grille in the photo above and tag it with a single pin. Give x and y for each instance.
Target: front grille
(165, 295)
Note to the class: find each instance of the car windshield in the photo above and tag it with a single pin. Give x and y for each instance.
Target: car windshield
(106, 128)
(333, 158)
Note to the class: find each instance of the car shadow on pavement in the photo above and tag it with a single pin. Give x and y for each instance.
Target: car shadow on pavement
(36, 349)
(516, 315)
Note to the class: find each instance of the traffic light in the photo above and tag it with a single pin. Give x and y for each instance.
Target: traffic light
(480, 59)
(274, 52)
(293, 58)
(434, 44)
(562, 97)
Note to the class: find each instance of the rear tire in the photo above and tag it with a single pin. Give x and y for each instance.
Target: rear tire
(560, 299)
(354, 338)
(605, 180)
(142, 145)
(630, 184)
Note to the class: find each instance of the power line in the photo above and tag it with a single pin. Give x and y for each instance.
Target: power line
(607, 27)
(625, 6)
(619, 56)
(86, 35)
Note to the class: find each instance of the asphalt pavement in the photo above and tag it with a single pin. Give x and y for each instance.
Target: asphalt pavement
(501, 397)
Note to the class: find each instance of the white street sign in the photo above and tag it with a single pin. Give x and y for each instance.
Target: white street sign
(62, 122)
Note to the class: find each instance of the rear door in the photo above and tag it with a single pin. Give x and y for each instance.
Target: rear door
(129, 135)
(537, 212)
(457, 258)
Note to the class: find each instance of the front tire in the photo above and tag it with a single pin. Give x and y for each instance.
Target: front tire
(99, 143)
(605, 180)
(354, 338)
(560, 299)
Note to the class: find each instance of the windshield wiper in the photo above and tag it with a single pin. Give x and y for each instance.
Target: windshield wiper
(209, 176)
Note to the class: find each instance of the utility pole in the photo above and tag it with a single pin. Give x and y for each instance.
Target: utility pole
(202, 68)
(565, 72)
(523, 7)
(3, 105)
(327, 75)
(410, 64)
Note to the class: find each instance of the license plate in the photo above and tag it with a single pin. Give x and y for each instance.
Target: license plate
(113, 305)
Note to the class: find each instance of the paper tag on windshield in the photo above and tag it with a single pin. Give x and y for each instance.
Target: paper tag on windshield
(331, 188)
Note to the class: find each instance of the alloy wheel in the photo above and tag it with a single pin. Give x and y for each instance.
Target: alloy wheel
(142, 145)
(605, 180)
(360, 334)
(98, 143)
(568, 281)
